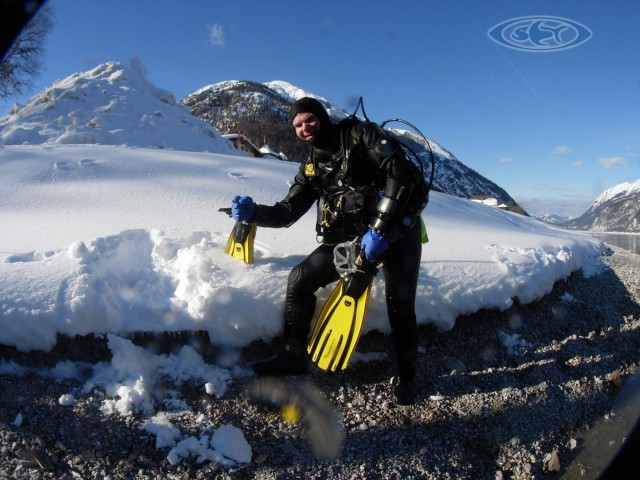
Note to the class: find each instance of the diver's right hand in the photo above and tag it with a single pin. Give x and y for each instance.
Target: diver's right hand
(243, 209)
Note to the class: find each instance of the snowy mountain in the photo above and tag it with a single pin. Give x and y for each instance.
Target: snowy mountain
(260, 110)
(109, 105)
(615, 210)
(552, 219)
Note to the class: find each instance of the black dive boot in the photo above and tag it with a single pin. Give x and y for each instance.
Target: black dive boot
(404, 386)
(290, 360)
(404, 391)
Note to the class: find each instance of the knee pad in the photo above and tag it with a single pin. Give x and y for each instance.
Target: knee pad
(295, 275)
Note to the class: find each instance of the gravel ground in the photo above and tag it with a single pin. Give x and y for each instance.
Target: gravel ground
(484, 411)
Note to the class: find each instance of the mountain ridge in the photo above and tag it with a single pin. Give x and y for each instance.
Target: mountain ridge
(617, 209)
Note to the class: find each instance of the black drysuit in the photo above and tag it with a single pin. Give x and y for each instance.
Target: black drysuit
(352, 166)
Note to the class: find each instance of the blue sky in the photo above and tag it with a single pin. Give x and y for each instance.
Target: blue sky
(554, 129)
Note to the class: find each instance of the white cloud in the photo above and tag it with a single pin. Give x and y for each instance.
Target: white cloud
(215, 36)
(506, 160)
(578, 164)
(560, 150)
(610, 163)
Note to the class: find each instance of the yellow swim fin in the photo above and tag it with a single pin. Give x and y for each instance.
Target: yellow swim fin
(240, 243)
(339, 325)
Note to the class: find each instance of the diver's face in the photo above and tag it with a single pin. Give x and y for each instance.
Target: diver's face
(306, 126)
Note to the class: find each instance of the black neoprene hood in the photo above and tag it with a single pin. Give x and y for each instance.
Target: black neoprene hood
(309, 105)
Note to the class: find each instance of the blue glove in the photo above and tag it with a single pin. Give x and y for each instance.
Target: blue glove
(243, 209)
(373, 244)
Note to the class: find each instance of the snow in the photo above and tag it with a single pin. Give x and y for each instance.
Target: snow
(109, 105)
(492, 202)
(624, 188)
(293, 93)
(130, 240)
(124, 237)
(67, 399)
(126, 240)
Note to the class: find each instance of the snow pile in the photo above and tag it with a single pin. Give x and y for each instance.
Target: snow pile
(227, 446)
(128, 385)
(514, 343)
(125, 241)
(142, 279)
(109, 105)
